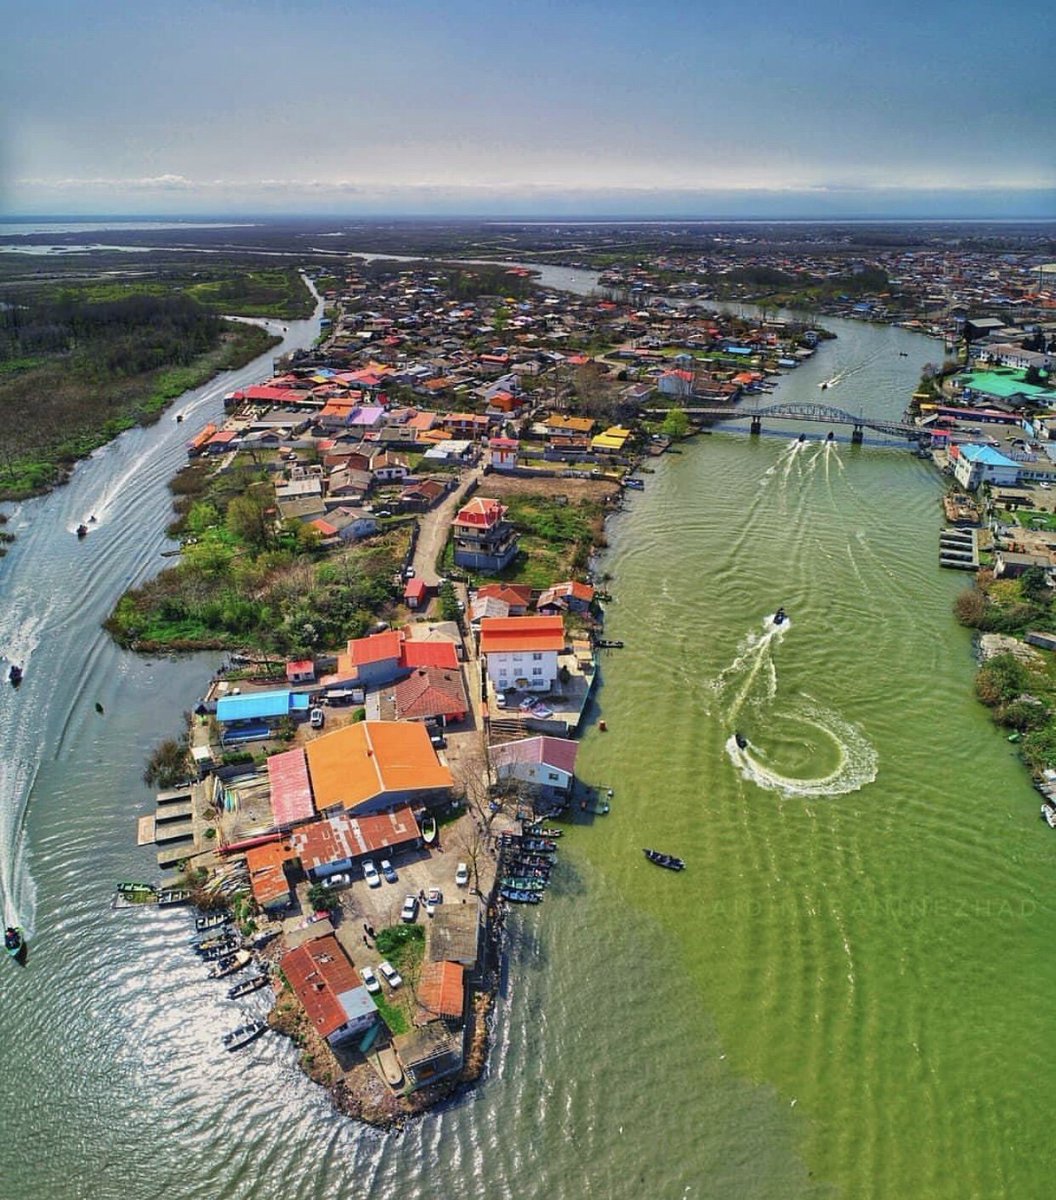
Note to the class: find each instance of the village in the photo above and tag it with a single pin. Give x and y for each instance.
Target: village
(363, 813)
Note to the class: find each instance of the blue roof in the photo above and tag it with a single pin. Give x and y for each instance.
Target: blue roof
(739, 350)
(987, 455)
(258, 705)
(357, 1003)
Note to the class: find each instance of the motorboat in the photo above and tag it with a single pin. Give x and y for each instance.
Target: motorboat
(244, 1034)
(802, 437)
(15, 942)
(831, 437)
(217, 948)
(1048, 814)
(14, 675)
(780, 617)
(665, 860)
(429, 831)
(230, 964)
(245, 986)
(741, 740)
(82, 530)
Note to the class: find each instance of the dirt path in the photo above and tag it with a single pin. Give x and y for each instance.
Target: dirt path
(433, 529)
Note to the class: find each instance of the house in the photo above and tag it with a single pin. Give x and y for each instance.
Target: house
(973, 465)
(521, 652)
(337, 1004)
(432, 694)
(429, 1054)
(502, 452)
(374, 765)
(304, 511)
(566, 597)
(484, 540)
(558, 423)
(422, 495)
(612, 441)
(1009, 565)
(301, 670)
(350, 524)
(339, 842)
(268, 880)
(517, 596)
(375, 659)
(441, 993)
(546, 765)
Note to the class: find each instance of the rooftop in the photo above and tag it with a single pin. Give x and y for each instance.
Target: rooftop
(502, 635)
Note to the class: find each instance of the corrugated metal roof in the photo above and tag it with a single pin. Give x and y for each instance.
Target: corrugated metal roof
(291, 791)
(256, 705)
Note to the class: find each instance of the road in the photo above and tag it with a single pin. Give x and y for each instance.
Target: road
(433, 528)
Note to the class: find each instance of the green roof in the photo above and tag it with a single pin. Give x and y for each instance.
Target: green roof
(1005, 385)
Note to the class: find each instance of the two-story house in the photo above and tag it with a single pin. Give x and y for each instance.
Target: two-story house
(521, 652)
(484, 539)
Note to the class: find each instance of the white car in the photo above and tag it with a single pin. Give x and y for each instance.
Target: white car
(392, 977)
(370, 980)
(370, 874)
(410, 909)
(340, 880)
(317, 718)
(432, 898)
(462, 875)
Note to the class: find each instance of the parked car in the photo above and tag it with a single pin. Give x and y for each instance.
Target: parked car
(370, 874)
(317, 718)
(439, 742)
(409, 912)
(462, 875)
(392, 977)
(388, 870)
(342, 879)
(370, 980)
(432, 898)
(409, 573)
(500, 699)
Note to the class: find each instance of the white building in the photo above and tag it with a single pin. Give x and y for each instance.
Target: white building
(974, 465)
(521, 652)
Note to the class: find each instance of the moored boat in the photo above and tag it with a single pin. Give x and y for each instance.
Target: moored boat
(224, 937)
(516, 896)
(245, 986)
(1048, 814)
(211, 921)
(244, 1034)
(218, 948)
(543, 831)
(520, 883)
(665, 860)
(230, 964)
(127, 888)
(15, 942)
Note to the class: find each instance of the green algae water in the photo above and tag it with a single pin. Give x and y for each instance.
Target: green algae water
(846, 994)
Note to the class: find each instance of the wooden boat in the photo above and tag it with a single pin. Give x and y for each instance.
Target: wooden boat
(524, 883)
(244, 1034)
(224, 937)
(1048, 814)
(169, 896)
(543, 831)
(128, 888)
(665, 860)
(429, 831)
(516, 896)
(230, 964)
(528, 860)
(219, 948)
(245, 986)
(211, 921)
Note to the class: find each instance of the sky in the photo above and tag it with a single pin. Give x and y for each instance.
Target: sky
(707, 108)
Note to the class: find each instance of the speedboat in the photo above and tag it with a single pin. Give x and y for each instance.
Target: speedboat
(244, 1034)
(780, 617)
(82, 530)
(741, 740)
(831, 437)
(802, 437)
(14, 675)
(665, 860)
(15, 942)
(429, 830)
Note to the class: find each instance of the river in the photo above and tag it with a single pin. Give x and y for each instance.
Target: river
(847, 993)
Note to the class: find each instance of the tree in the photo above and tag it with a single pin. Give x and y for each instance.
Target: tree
(1034, 585)
(676, 424)
(249, 520)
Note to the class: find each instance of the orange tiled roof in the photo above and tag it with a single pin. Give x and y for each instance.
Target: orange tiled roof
(500, 635)
(361, 762)
(441, 989)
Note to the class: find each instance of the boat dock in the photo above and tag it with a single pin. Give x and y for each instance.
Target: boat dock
(959, 549)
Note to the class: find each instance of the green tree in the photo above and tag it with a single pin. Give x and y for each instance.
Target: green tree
(676, 424)
(249, 520)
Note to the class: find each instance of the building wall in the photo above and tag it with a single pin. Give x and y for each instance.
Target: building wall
(505, 668)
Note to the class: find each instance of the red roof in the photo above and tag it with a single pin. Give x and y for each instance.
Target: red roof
(516, 595)
(431, 692)
(291, 792)
(441, 989)
(415, 590)
(375, 648)
(500, 635)
(429, 654)
(339, 838)
(481, 513)
(320, 972)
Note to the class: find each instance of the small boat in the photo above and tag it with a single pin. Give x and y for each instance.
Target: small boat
(230, 964)
(637, 484)
(168, 896)
(516, 896)
(831, 437)
(802, 437)
(1048, 814)
(15, 942)
(220, 948)
(665, 860)
(429, 831)
(211, 921)
(244, 1034)
(14, 675)
(219, 938)
(902, 354)
(523, 884)
(741, 740)
(179, 418)
(128, 888)
(780, 617)
(245, 986)
(543, 831)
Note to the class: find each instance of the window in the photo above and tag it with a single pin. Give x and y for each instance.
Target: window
(553, 777)
(537, 670)
(518, 657)
(537, 657)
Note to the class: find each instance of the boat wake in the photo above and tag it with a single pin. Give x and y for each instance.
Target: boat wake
(750, 684)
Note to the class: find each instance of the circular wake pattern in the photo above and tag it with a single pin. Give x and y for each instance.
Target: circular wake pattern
(855, 759)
